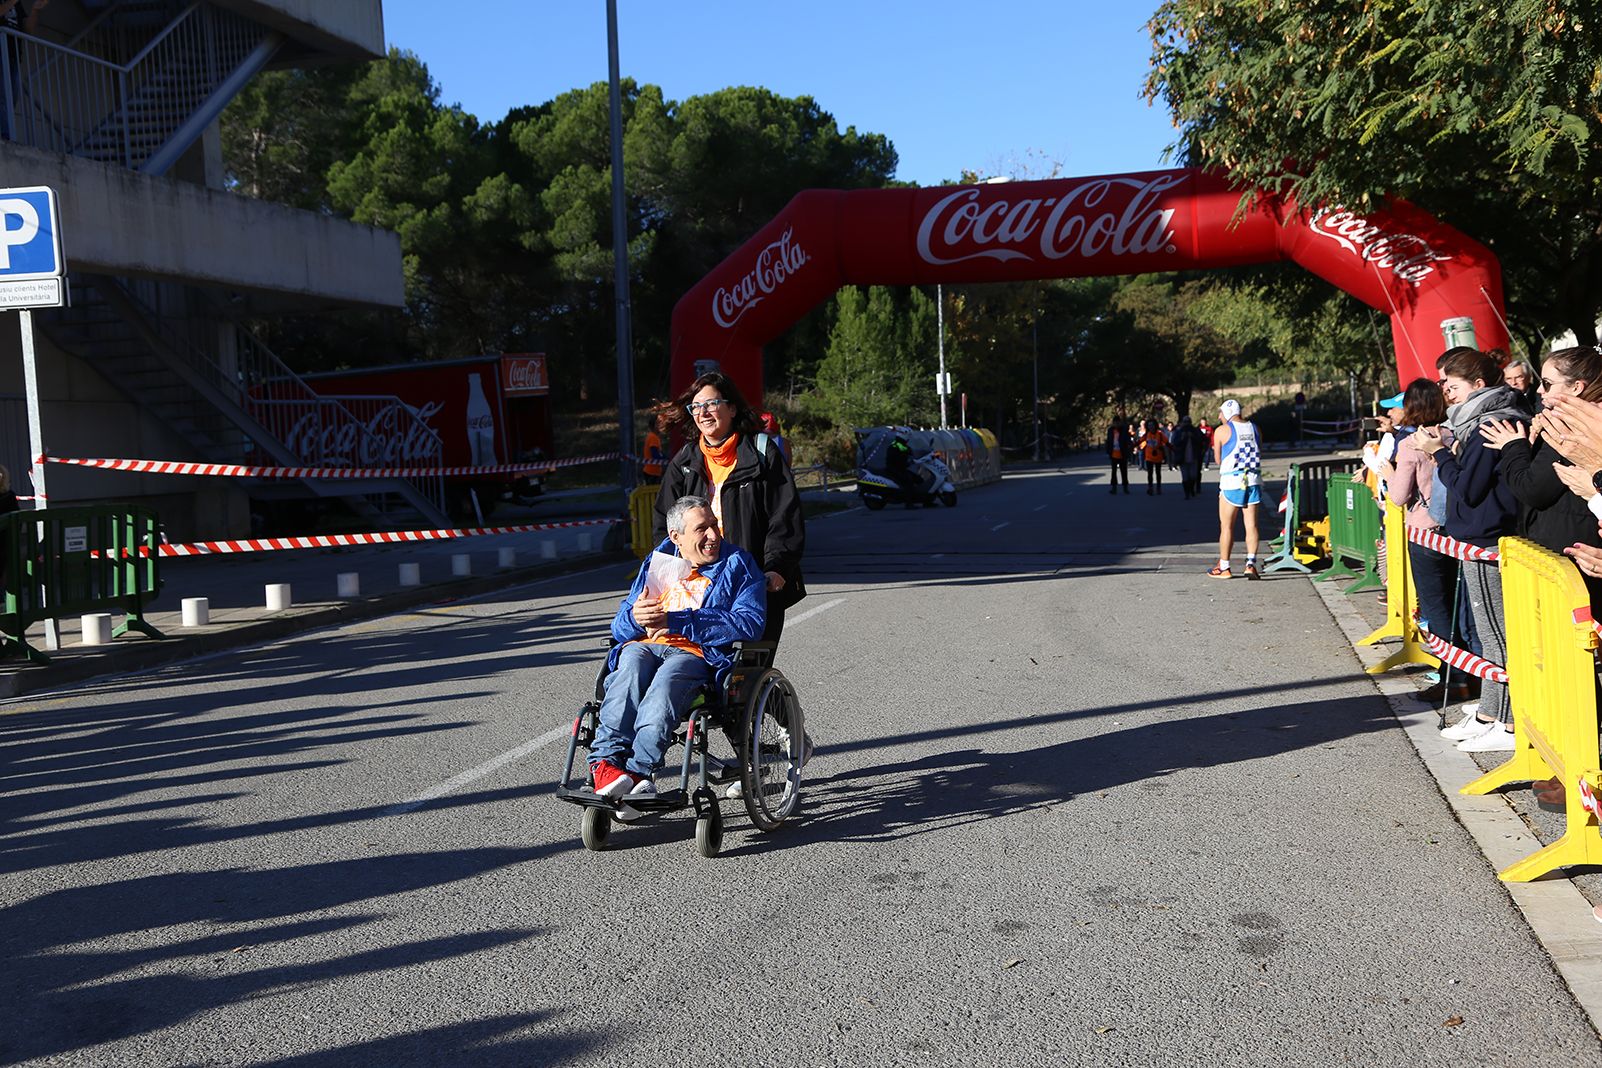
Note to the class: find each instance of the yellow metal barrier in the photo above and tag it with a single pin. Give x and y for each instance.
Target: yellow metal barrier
(1551, 682)
(1399, 599)
(642, 517)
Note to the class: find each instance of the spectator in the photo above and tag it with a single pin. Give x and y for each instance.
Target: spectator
(1520, 377)
(1187, 447)
(654, 454)
(1207, 436)
(1551, 516)
(1409, 481)
(770, 427)
(1119, 446)
(1168, 431)
(1153, 446)
(1480, 508)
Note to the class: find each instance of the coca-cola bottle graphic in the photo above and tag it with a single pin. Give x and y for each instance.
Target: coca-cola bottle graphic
(480, 423)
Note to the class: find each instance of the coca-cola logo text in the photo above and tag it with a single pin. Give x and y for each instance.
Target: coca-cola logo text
(1408, 256)
(958, 227)
(523, 374)
(394, 436)
(774, 264)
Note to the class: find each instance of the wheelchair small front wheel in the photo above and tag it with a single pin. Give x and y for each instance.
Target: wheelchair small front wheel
(772, 744)
(709, 833)
(595, 828)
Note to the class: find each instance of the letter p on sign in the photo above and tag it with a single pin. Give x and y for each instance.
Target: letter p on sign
(30, 245)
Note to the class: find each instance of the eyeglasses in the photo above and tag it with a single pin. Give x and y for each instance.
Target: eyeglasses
(698, 407)
(1551, 385)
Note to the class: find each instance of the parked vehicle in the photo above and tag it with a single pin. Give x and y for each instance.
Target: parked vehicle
(904, 478)
(486, 411)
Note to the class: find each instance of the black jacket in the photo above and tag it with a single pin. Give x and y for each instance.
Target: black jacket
(760, 505)
(1551, 515)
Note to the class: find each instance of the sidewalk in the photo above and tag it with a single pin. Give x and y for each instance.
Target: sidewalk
(235, 587)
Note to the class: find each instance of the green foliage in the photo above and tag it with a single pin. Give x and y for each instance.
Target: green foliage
(879, 365)
(1484, 114)
(506, 229)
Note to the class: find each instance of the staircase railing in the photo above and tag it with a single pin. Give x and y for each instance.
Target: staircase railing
(320, 431)
(56, 98)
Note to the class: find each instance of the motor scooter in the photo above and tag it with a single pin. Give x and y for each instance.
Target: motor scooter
(929, 483)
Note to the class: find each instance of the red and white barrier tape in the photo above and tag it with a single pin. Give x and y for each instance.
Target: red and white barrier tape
(1462, 659)
(1446, 546)
(1588, 800)
(335, 541)
(173, 467)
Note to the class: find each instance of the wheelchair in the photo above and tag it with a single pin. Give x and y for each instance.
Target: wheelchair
(756, 709)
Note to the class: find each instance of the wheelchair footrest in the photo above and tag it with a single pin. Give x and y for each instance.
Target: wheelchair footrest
(666, 801)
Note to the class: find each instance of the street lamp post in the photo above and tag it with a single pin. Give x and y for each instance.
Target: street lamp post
(940, 345)
(1034, 337)
(620, 263)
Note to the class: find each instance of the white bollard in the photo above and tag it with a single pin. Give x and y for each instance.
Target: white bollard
(506, 557)
(278, 598)
(586, 542)
(411, 574)
(197, 611)
(350, 584)
(548, 549)
(97, 628)
(461, 564)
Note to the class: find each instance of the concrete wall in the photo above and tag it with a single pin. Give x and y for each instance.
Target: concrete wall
(342, 29)
(115, 221)
(83, 415)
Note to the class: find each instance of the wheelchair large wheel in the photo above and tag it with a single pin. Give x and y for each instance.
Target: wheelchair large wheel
(771, 741)
(595, 828)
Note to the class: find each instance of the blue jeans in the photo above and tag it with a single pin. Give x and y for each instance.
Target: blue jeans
(1435, 586)
(646, 695)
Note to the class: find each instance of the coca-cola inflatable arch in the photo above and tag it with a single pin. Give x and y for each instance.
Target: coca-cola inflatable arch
(1399, 261)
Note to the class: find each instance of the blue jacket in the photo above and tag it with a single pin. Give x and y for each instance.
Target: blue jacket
(1480, 507)
(734, 609)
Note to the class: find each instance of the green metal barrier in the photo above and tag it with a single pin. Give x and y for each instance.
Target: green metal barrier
(1311, 487)
(60, 562)
(1284, 557)
(1354, 530)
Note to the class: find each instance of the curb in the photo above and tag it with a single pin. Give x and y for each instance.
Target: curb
(1559, 916)
(149, 653)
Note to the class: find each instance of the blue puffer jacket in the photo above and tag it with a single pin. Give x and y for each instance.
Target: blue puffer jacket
(734, 609)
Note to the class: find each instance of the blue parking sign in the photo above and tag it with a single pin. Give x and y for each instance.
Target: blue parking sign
(30, 234)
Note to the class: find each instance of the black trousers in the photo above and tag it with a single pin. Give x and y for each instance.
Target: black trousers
(1120, 468)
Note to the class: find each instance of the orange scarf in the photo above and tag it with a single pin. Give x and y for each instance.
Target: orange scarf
(720, 458)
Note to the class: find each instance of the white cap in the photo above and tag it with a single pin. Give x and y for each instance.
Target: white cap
(1229, 409)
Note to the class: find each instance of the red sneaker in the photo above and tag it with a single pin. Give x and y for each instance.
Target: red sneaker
(611, 780)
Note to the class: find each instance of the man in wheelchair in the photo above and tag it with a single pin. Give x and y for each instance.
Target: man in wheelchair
(674, 634)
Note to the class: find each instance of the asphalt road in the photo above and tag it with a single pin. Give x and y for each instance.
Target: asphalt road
(1072, 799)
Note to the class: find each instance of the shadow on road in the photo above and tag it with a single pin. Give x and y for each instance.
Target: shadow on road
(887, 802)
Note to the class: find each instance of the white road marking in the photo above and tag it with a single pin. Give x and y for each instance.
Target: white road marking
(791, 621)
(472, 775)
(998, 526)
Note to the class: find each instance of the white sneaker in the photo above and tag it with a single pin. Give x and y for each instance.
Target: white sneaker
(1495, 740)
(627, 812)
(736, 789)
(1466, 727)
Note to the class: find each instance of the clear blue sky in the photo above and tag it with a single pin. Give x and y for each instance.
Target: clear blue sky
(1005, 87)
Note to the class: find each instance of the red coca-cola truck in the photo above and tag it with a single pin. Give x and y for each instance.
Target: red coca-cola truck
(487, 410)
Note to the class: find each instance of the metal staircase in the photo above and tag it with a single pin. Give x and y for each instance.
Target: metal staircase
(233, 401)
(136, 88)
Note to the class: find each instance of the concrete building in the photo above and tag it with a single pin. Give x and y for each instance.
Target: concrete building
(115, 105)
